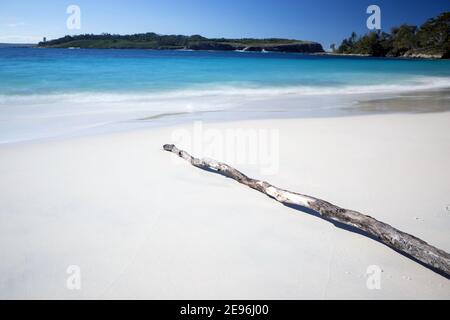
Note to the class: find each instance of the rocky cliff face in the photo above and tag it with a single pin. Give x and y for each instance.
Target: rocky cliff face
(306, 47)
(215, 46)
(423, 54)
(297, 47)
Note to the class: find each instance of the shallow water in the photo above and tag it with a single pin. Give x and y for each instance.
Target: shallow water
(57, 92)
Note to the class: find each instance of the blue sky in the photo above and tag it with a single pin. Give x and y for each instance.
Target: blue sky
(325, 21)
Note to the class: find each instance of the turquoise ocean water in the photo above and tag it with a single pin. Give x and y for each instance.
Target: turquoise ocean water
(80, 88)
(25, 71)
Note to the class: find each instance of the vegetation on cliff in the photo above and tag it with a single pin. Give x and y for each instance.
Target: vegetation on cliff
(432, 39)
(196, 42)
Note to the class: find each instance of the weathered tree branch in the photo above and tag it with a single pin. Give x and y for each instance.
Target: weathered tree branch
(394, 238)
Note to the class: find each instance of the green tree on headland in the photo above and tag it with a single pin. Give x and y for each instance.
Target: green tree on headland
(403, 39)
(430, 39)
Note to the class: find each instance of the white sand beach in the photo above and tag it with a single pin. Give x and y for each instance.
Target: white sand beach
(142, 223)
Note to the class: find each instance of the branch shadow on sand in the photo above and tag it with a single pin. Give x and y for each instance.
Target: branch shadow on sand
(343, 226)
(352, 229)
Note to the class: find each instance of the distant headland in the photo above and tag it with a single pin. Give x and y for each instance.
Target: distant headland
(179, 42)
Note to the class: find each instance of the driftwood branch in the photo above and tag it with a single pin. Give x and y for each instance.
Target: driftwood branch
(405, 243)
